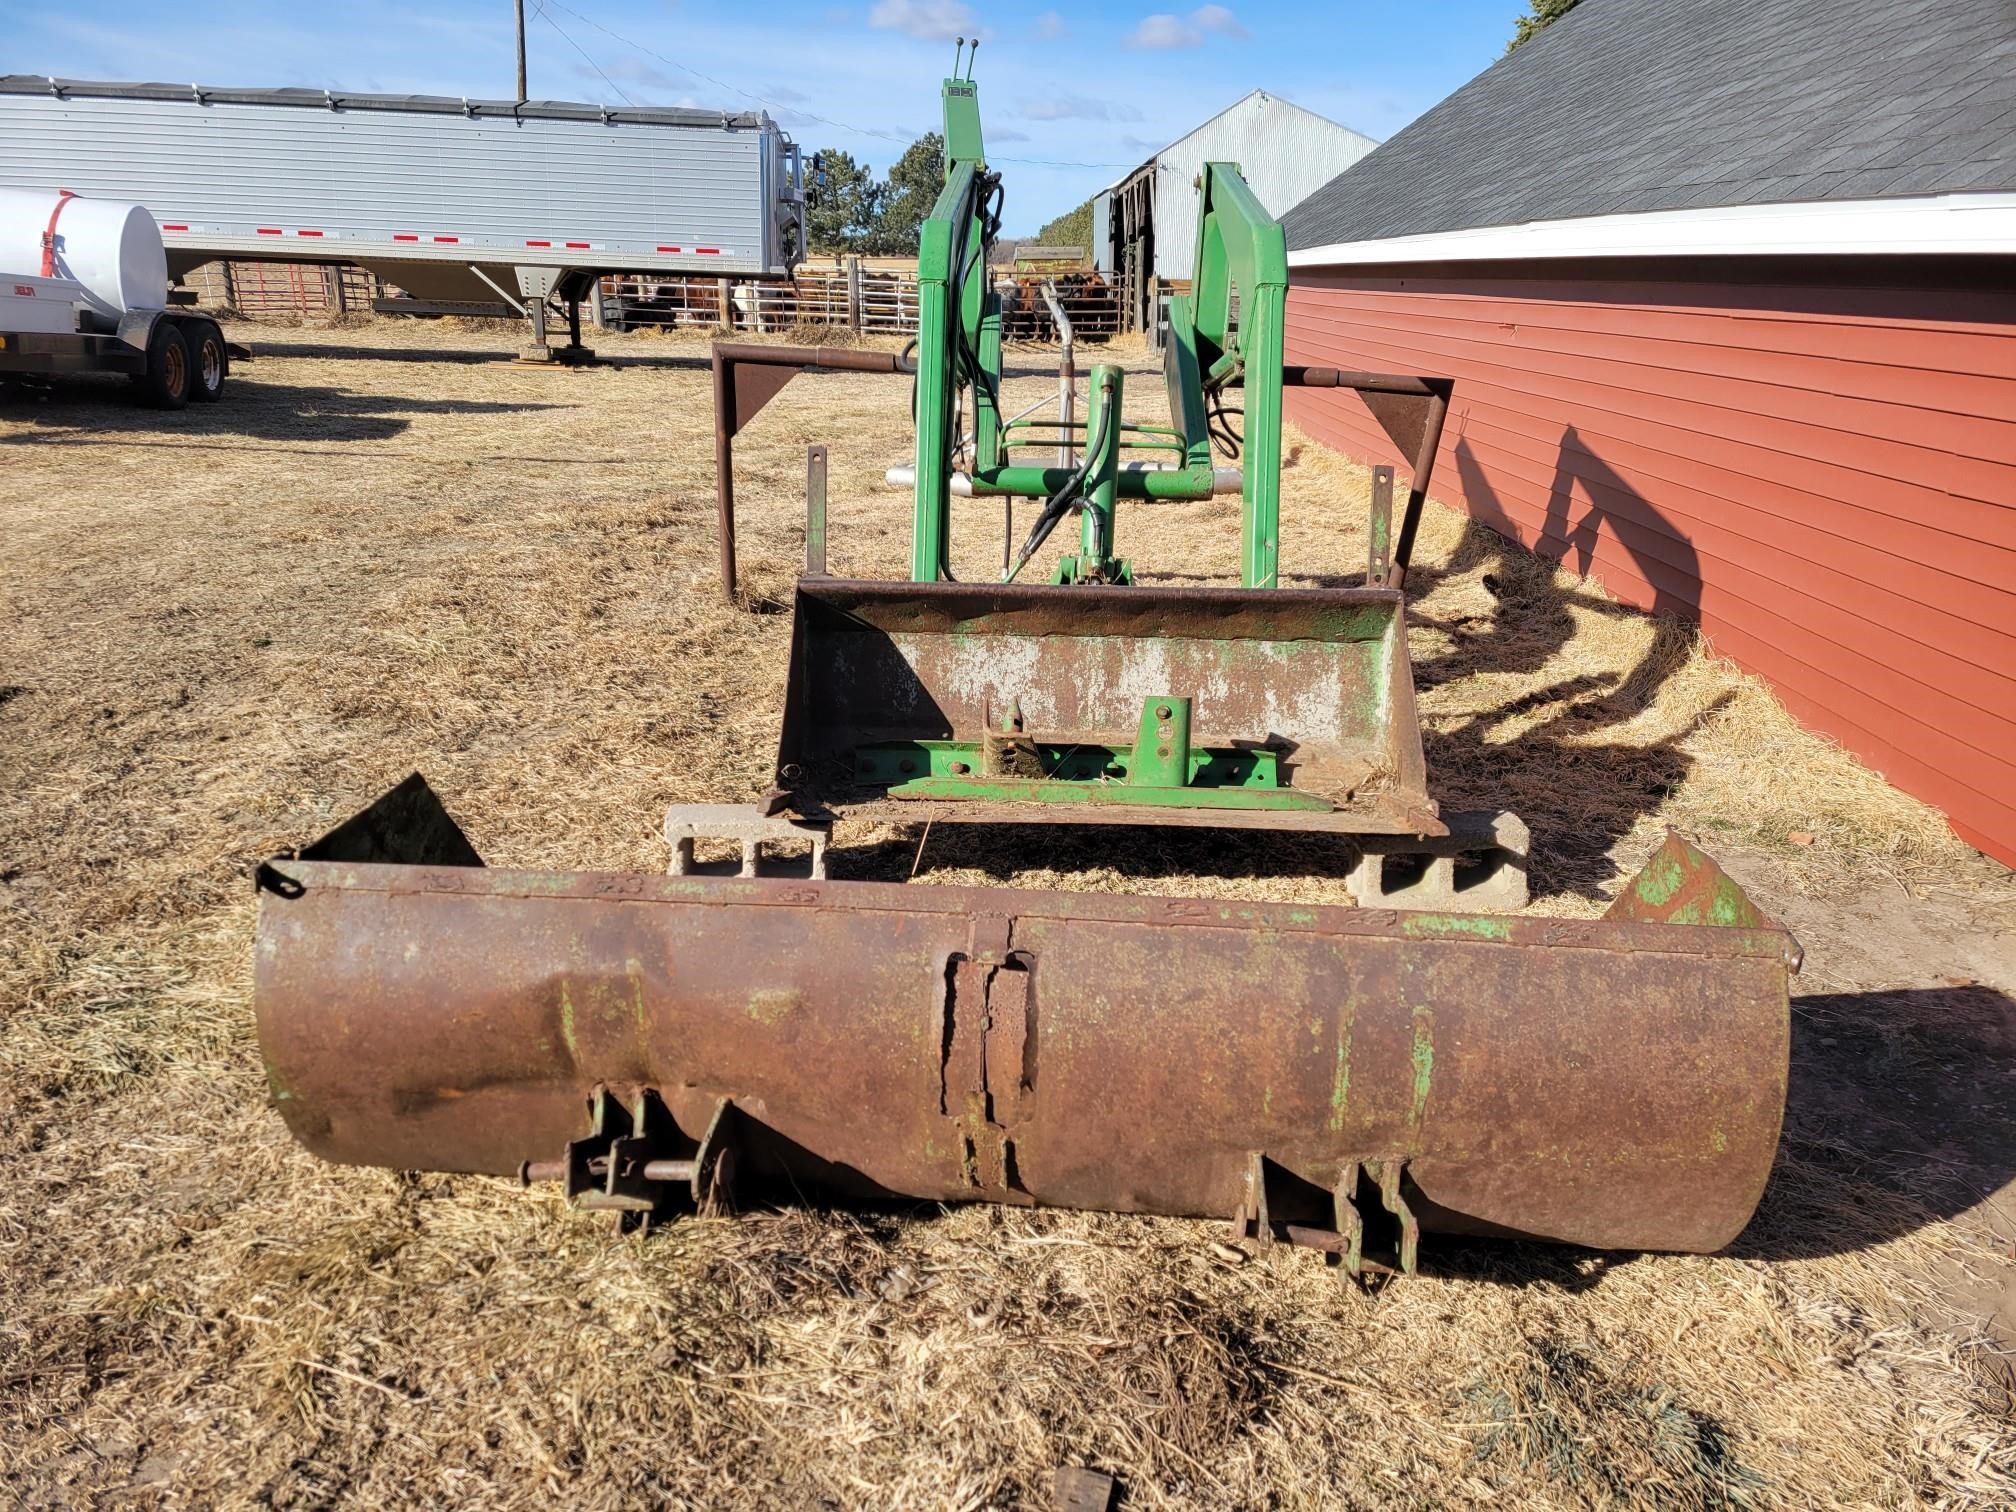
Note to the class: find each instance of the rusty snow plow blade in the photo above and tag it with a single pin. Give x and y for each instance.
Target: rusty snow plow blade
(1344, 1078)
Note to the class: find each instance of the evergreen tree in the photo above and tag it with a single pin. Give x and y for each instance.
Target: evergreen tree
(1071, 229)
(840, 213)
(1541, 14)
(912, 189)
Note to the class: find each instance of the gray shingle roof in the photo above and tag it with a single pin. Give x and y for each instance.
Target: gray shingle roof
(1635, 105)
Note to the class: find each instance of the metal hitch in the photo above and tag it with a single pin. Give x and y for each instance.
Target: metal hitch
(1316, 1074)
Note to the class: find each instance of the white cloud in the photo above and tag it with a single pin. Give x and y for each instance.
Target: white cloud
(1163, 32)
(1065, 107)
(1216, 18)
(926, 20)
(1050, 27)
(1006, 134)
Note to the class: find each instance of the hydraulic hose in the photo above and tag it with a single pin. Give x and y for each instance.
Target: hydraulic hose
(1060, 503)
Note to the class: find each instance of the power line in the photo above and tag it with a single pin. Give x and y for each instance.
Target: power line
(869, 131)
(541, 13)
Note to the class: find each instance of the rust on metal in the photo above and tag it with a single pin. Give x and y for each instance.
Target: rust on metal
(1607, 1083)
(747, 376)
(1411, 410)
(1317, 680)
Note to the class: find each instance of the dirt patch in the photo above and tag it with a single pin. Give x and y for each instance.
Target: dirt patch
(228, 628)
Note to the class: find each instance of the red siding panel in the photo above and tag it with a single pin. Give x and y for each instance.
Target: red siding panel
(1823, 478)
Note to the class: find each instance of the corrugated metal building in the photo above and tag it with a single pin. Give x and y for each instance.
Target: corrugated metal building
(1144, 228)
(1726, 290)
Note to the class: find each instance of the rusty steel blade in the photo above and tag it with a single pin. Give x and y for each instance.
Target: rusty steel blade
(1609, 1084)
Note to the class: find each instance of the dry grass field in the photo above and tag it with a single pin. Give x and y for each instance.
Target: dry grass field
(225, 629)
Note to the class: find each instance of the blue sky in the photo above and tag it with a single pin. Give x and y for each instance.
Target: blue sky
(1079, 91)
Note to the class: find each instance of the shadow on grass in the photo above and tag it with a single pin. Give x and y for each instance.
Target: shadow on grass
(339, 351)
(1896, 1118)
(99, 410)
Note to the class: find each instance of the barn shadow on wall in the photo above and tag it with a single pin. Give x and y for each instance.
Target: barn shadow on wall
(1579, 790)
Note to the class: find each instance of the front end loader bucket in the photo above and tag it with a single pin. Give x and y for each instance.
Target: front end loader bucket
(1345, 1078)
(1274, 709)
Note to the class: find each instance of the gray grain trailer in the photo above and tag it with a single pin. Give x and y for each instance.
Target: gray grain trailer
(452, 200)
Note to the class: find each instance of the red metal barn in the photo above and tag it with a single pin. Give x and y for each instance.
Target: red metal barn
(1728, 289)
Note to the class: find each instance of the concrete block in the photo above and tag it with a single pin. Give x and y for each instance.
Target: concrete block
(1478, 867)
(739, 822)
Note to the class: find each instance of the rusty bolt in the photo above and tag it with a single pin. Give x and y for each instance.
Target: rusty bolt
(960, 769)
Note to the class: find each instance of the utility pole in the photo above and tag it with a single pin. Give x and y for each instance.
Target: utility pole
(518, 6)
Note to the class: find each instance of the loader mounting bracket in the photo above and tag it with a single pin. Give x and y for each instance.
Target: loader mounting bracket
(635, 1162)
(1374, 1231)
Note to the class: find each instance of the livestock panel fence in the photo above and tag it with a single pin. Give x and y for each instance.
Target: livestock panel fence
(860, 294)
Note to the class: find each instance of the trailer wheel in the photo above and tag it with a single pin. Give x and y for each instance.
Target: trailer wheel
(166, 382)
(209, 362)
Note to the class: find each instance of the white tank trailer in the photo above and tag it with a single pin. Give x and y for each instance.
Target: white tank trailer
(84, 289)
(461, 203)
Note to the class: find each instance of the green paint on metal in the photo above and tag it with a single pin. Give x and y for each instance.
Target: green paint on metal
(1431, 926)
(1660, 879)
(1108, 794)
(1424, 1062)
(976, 769)
(1340, 1075)
(1731, 906)
(1237, 313)
(1162, 747)
(963, 142)
(1098, 521)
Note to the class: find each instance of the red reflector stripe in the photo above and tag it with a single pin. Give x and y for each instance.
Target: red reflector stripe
(174, 228)
(269, 230)
(538, 244)
(577, 244)
(708, 251)
(668, 249)
(402, 236)
(307, 233)
(448, 238)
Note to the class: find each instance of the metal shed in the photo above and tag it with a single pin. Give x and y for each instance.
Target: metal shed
(1146, 223)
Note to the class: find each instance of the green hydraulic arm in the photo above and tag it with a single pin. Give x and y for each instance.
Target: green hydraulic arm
(1225, 335)
(956, 314)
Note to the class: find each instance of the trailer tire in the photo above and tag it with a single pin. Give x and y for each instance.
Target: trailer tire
(209, 360)
(165, 382)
